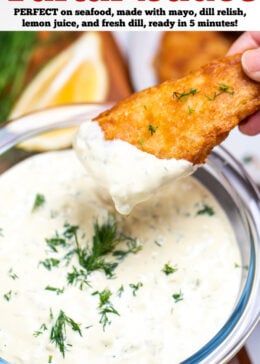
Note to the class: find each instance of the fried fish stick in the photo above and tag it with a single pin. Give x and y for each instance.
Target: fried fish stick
(185, 119)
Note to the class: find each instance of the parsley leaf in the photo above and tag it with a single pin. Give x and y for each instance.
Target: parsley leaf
(12, 275)
(40, 331)
(8, 296)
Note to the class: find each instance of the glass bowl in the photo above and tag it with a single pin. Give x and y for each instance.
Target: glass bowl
(222, 175)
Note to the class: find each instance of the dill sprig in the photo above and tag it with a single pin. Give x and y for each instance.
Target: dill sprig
(132, 247)
(152, 128)
(38, 202)
(222, 88)
(105, 307)
(177, 297)
(182, 96)
(78, 277)
(58, 331)
(55, 242)
(206, 210)
(135, 287)
(104, 242)
(167, 269)
(50, 263)
(55, 289)
(96, 255)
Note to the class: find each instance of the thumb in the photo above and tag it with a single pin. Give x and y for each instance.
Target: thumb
(251, 63)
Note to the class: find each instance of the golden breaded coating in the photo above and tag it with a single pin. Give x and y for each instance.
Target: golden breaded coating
(185, 119)
(182, 52)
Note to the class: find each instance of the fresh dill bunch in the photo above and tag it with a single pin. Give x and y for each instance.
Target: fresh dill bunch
(105, 239)
(16, 48)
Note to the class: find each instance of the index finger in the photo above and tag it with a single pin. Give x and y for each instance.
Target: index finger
(247, 40)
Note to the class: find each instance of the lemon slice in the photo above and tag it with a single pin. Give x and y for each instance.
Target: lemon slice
(77, 75)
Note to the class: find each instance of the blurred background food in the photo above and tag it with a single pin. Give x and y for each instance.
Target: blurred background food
(43, 69)
(181, 52)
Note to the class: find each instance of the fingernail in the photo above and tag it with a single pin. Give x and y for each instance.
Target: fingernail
(251, 63)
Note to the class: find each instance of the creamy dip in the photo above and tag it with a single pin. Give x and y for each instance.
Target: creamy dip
(173, 288)
(126, 173)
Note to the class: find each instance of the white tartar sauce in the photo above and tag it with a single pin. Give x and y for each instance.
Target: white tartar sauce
(126, 173)
(162, 290)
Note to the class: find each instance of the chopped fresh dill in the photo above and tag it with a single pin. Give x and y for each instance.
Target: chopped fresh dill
(132, 248)
(177, 297)
(206, 210)
(145, 107)
(222, 88)
(40, 331)
(104, 241)
(55, 242)
(167, 269)
(105, 307)
(135, 287)
(120, 291)
(51, 314)
(152, 129)
(8, 296)
(226, 89)
(38, 202)
(50, 359)
(78, 277)
(58, 334)
(184, 95)
(63, 239)
(190, 110)
(141, 142)
(50, 263)
(247, 159)
(94, 256)
(12, 275)
(55, 289)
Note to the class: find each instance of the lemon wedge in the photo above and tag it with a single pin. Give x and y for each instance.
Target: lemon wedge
(76, 75)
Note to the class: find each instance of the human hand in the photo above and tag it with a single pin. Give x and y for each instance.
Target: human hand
(249, 44)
